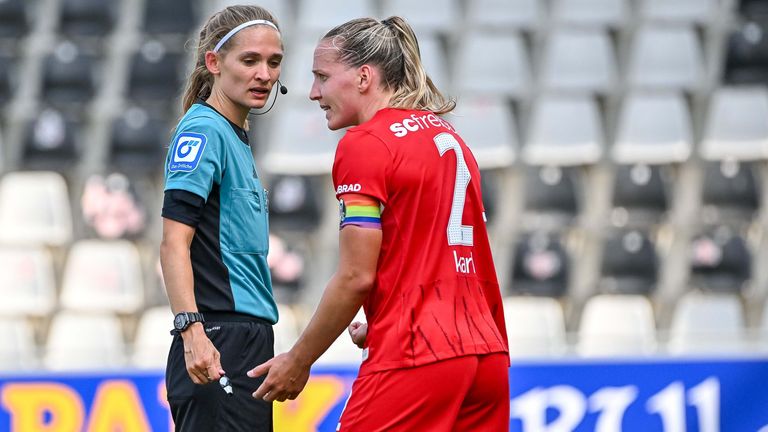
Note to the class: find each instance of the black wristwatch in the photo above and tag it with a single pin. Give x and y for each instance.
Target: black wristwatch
(183, 320)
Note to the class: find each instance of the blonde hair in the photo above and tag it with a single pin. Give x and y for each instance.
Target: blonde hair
(200, 81)
(391, 45)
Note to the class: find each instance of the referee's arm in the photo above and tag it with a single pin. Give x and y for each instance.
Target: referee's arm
(287, 374)
(202, 358)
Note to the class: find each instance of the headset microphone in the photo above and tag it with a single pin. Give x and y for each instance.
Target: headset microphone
(283, 90)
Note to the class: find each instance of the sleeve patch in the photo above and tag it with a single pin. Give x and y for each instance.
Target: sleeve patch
(187, 152)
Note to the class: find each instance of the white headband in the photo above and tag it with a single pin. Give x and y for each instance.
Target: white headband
(240, 27)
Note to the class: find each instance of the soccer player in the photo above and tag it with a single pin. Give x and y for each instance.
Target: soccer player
(215, 230)
(414, 249)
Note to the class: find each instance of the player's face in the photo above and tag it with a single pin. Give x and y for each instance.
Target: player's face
(251, 66)
(335, 88)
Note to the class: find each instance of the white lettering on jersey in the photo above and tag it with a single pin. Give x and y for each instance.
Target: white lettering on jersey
(464, 264)
(416, 123)
(348, 188)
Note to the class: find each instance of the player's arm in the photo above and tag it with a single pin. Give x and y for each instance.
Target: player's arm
(287, 373)
(180, 216)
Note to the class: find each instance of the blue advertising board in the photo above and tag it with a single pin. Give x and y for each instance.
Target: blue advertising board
(665, 395)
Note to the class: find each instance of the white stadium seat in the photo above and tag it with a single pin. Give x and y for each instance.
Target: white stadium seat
(18, 352)
(27, 283)
(678, 10)
(535, 327)
(434, 16)
(504, 14)
(564, 130)
(590, 13)
(736, 124)
(493, 64)
(342, 351)
(286, 330)
(79, 341)
(315, 18)
(617, 325)
(707, 324)
(153, 338)
(666, 57)
(653, 128)
(580, 60)
(103, 275)
(34, 209)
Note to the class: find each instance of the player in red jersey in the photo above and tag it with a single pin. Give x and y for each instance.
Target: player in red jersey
(414, 249)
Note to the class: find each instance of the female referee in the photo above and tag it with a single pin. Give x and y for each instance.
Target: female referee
(215, 229)
(413, 246)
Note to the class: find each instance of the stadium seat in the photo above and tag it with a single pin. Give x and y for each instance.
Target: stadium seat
(436, 16)
(282, 10)
(488, 126)
(640, 195)
(541, 265)
(762, 330)
(665, 57)
(34, 209)
(590, 13)
(653, 128)
(155, 73)
(433, 57)
(300, 142)
(87, 17)
(84, 342)
(69, 75)
(552, 195)
(170, 17)
(294, 203)
(535, 327)
(746, 59)
(700, 11)
(629, 264)
(139, 140)
(707, 324)
(564, 130)
(617, 325)
(578, 60)
(297, 68)
(736, 126)
(489, 73)
(14, 21)
(504, 14)
(730, 193)
(153, 339)
(316, 18)
(27, 282)
(286, 330)
(103, 276)
(342, 351)
(52, 140)
(18, 352)
(721, 261)
(752, 8)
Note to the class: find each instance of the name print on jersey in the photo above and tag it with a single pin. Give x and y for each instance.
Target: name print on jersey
(187, 151)
(464, 265)
(415, 123)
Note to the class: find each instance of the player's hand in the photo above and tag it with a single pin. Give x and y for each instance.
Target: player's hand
(358, 331)
(202, 358)
(286, 378)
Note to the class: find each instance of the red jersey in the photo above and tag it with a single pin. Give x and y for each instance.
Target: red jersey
(436, 295)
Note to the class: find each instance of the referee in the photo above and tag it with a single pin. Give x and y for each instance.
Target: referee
(215, 229)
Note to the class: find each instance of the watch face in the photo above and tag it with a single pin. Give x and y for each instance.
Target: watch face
(179, 321)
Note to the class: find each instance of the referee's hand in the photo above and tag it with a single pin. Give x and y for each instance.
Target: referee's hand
(202, 358)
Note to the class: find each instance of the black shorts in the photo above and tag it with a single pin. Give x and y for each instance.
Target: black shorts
(243, 343)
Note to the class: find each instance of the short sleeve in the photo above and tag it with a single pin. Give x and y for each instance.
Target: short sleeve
(195, 159)
(361, 166)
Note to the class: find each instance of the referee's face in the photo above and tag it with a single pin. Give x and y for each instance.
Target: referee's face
(251, 66)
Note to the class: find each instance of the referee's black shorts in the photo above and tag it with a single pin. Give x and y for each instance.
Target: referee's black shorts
(243, 343)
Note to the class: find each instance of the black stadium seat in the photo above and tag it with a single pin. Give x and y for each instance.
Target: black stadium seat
(14, 23)
(541, 265)
(139, 141)
(87, 17)
(551, 195)
(69, 75)
(169, 17)
(51, 140)
(629, 263)
(640, 190)
(730, 193)
(155, 73)
(747, 53)
(293, 203)
(720, 261)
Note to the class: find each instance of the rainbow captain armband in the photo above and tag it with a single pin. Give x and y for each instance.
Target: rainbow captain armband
(359, 210)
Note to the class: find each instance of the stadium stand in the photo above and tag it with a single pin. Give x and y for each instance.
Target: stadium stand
(623, 148)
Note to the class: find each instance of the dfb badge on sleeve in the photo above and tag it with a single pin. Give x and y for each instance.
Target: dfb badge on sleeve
(187, 151)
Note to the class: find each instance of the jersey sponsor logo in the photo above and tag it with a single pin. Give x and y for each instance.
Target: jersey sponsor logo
(187, 151)
(348, 188)
(416, 123)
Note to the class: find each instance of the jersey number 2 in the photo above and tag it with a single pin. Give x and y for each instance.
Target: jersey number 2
(458, 234)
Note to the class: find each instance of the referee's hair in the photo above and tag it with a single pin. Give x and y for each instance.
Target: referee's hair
(200, 80)
(391, 45)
